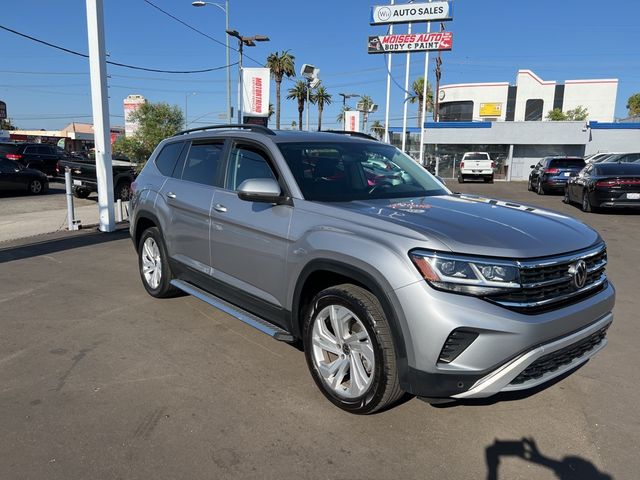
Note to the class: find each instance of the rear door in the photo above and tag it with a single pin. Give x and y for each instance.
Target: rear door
(188, 195)
(249, 239)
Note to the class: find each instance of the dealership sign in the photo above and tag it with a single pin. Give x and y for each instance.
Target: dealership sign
(410, 42)
(255, 83)
(411, 12)
(352, 120)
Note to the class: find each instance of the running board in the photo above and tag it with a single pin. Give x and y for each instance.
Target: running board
(237, 312)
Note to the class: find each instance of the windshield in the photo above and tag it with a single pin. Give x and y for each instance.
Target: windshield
(345, 171)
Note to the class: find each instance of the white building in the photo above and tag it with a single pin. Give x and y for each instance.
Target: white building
(530, 99)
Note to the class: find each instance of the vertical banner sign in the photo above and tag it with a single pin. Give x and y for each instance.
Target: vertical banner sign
(352, 120)
(3, 111)
(255, 83)
(411, 12)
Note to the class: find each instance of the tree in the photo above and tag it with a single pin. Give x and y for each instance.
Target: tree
(417, 96)
(7, 125)
(320, 97)
(271, 111)
(577, 114)
(281, 64)
(633, 105)
(156, 121)
(377, 128)
(298, 92)
(366, 102)
(340, 117)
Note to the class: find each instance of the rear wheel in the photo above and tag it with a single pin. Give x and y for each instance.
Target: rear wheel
(153, 264)
(488, 179)
(529, 186)
(123, 190)
(540, 190)
(81, 192)
(586, 202)
(460, 178)
(350, 351)
(567, 197)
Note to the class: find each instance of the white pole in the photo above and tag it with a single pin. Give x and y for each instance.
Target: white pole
(308, 88)
(423, 114)
(386, 113)
(100, 107)
(406, 98)
(226, 14)
(71, 218)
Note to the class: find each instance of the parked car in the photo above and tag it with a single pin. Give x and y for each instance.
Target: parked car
(476, 165)
(552, 173)
(83, 173)
(598, 157)
(39, 156)
(605, 185)
(390, 288)
(15, 177)
(631, 157)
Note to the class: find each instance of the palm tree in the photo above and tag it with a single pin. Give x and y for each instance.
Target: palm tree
(320, 98)
(281, 64)
(377, 128)
(340, 117)
(298, 92)
(365, 103)
(418, 89)
(271, 111)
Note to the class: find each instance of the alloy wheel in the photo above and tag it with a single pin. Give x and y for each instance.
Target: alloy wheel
(151, 263)
(35, 186)
(343, 351)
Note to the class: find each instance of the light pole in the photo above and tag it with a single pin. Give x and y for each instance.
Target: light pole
(249, 42)
(225, 9)
(344, 104)
(311, 74)
(186, 108)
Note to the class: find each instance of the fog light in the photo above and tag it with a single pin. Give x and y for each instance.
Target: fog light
(457, 342)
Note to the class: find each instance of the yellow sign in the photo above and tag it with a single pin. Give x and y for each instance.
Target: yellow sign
(490, 109)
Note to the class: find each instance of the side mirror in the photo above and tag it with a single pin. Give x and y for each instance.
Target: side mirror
(263, 190)
(532, 166)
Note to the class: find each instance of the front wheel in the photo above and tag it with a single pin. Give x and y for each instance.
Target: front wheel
(586, 202)
(350, 351)
(153, 264)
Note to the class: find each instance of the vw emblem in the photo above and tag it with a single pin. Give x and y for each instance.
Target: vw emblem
(579, 273)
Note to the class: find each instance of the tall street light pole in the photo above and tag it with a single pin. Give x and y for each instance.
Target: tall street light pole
(225, 9)
(249, 42)
(186, 108)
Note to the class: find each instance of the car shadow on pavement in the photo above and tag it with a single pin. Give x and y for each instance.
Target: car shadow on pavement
(58, 244)
(567, 468)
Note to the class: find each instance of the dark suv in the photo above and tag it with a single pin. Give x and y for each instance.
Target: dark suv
(39, 156)
(552, 173)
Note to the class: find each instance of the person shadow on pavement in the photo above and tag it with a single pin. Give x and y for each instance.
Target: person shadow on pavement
(568, 468)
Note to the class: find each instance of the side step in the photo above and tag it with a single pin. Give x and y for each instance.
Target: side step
(237, 312)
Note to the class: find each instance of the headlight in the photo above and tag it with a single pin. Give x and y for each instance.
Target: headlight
(472, 276)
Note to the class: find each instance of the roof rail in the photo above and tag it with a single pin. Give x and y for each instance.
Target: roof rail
(245, 126)
(353, 134)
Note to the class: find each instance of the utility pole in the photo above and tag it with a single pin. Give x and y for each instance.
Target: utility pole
(436, 109)
(100, 107)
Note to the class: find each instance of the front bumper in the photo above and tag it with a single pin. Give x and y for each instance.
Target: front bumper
(508, 342)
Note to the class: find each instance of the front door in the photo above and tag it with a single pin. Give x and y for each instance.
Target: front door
(249, 239)
(189, 195)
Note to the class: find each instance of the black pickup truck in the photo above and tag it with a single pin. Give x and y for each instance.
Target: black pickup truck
(83, 174)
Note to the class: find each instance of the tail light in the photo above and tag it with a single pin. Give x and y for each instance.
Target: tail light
(57, 168)
(13, 156)
(493, 164)
(552, 170)
(618, 182)
(461, 164)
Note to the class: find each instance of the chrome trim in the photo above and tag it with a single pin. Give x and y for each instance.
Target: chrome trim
(500, 379)
(591, 286)
(569, 258)
(566, 278)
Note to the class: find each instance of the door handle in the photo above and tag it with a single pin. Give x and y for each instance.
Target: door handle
(171, 195)
(219, 208)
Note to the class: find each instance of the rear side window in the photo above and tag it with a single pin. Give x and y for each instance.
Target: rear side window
(203, 163)
(31, 149)
(168, 157)
(567, 163)
(246, 163)
(44, 150)
(477, 156)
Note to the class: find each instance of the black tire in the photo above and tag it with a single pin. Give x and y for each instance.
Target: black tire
(540, 190)
(529, 186)
(586, 203)
(81, 192)
(36, 187)
(384, 389)
(164, 289)
(460, 178)
(567, 197)
(123, 190)
(488, 179)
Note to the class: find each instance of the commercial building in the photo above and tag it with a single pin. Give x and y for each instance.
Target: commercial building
(74, 137)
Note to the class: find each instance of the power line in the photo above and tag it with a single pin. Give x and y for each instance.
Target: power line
(117, 64)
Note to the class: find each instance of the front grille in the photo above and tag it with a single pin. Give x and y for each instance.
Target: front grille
(548, 284)
(553, 361)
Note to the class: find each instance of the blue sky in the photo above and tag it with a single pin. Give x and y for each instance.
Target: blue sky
(558, 40)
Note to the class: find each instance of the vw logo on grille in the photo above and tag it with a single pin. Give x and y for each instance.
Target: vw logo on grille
(579, 273)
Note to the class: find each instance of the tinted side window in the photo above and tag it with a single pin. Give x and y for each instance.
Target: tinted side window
(30, 149)
(43, 150)
(7, 166)
(168, 157)
(244, 163)
(203, 163)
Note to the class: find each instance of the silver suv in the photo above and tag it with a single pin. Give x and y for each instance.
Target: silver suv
(389, 281)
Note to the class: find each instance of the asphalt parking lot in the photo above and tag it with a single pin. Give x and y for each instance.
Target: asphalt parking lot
(99, 380)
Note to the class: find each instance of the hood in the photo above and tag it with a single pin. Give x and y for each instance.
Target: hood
(480, 226)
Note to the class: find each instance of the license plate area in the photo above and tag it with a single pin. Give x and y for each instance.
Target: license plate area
(77, 182)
